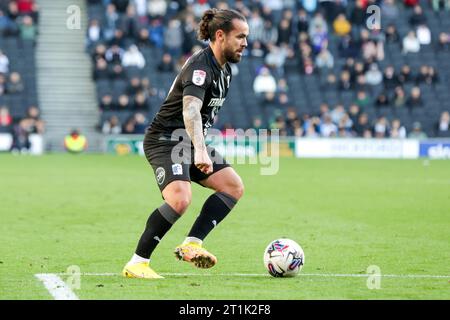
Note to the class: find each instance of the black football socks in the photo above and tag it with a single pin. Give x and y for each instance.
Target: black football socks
(214, 210)
(159, 222)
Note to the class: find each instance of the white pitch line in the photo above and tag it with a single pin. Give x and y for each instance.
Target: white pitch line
(332, 275)
(56, 286)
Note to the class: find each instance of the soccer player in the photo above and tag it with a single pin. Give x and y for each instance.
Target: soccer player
(192, 103)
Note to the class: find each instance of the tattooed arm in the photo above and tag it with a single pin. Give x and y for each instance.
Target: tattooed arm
(194, 128)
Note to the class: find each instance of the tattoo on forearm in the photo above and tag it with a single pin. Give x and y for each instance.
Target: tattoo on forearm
(193, 121)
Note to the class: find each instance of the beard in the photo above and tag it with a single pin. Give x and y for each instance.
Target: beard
(232, 56)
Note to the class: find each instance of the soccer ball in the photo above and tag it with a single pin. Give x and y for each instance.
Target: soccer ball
(284, 258)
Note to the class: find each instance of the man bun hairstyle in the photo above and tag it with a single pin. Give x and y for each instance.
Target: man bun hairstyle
(215, 19)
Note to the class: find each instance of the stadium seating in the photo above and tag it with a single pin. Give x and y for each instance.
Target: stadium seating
(305, 91)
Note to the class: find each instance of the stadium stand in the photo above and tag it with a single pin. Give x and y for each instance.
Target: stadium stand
(19, 110)
(325, 73)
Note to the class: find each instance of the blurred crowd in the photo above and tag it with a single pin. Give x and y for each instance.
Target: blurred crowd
(288, 36)
(18, 21)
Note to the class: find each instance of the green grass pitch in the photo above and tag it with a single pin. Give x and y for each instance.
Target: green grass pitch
(89, 211)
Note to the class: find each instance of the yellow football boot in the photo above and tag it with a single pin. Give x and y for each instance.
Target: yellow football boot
(140, 270)
(194, 253)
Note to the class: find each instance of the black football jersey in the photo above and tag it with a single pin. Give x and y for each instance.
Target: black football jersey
(202, 77)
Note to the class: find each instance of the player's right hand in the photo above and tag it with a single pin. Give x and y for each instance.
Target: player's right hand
(203, 162)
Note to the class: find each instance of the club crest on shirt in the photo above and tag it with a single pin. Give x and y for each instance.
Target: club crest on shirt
(198, 77)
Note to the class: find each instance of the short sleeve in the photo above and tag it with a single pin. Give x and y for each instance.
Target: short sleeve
(195, 80)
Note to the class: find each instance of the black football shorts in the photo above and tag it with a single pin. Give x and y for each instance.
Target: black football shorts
(173, 160)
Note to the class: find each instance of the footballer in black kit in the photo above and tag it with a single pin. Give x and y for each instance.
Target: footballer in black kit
(201, 77)
(175, 147)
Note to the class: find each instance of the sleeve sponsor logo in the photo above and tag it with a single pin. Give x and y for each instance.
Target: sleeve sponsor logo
(198, 77)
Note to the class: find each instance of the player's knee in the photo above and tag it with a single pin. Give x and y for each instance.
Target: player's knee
(239, 190)
(181, 203)
(236, 189)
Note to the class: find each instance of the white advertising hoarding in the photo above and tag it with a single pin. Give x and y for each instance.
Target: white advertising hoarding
(356, 148)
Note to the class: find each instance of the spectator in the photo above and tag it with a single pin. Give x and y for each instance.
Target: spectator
(121, 5)
(302, 21)
(405, 75)
(2, 84)
(107, 103)
(143, 39)
(331, 83)
(371, 49)
(133, 58)
(129, 126)
(440, 4)
(358, 15)
(123, 103)
(324, 59)
(337, 113)
(433, 76)
(309, 5)
(415, 99)
(114, 54)
(423, 35)
(99, 52)
(423, 75)
(362, 99)
(140, 123)
(397, 131)
(382, 100)
(362, 125)
(101, 70)
(34, 121)
(4, 63)
(157, 8)
(418, 17)
(5, 119)
(443, 42)
(118, 38)
(341, 25)
(392, 35)
(390, 80)
(110, 22)
(173, 38)
(284, 32)
(141, 7)
(381, 128)
(417, 132)
(373, 76)
(344, 81)
(166, 64)
(257, 50)
(347, 47)
(129, 23)
(353, 113)
(94, 32)
(141, 102)
(21, 138)
(270, 33)
(256, 24)
(318, 32)
(389, 11)
(116, 72)
(15, 84)
(328, 128)
(399, 97)
(264, 82)
(276, 58)
(443, 125)
(134, 86)
(27, 28)
(411, 43)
